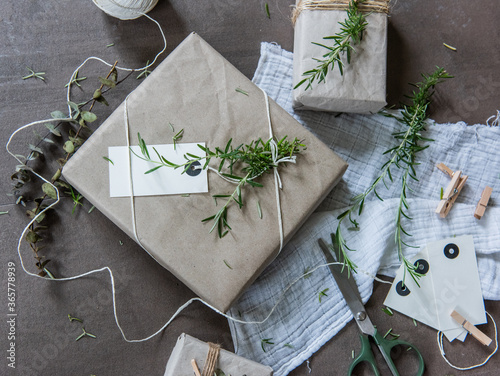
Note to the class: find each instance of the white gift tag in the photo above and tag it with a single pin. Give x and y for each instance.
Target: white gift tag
(164, 181)
(451, 282)
(412, 300)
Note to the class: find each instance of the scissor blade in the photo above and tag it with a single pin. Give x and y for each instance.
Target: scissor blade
(349, 289)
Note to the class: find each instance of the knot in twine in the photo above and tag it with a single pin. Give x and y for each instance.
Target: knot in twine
(125, 9)
(377, 6)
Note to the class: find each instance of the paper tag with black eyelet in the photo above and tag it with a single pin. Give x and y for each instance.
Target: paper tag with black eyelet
(162, 181)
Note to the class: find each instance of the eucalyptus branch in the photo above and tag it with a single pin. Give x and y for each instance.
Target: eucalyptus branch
(351, 32)
(403, 156)
(244, 164)
(78, 117)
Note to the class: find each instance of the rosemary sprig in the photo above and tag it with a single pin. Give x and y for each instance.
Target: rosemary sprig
(243, 165)
(351, 33)
(413, 117)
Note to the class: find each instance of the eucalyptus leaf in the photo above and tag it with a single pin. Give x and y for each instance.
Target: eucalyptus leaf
(106, 82)
(69, 147)
(32, 237)
(58, 115)
(49, 190)
(53, 130)
(88, 116)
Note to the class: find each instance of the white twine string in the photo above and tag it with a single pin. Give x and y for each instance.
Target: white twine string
(125, 9)
(441, 349)
(496, 120)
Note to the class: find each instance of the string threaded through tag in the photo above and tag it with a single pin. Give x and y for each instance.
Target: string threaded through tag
(441, 349)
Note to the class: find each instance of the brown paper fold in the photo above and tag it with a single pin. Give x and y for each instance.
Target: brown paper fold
(195, 88)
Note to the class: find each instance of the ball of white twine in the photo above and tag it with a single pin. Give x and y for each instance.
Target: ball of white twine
(125, 9)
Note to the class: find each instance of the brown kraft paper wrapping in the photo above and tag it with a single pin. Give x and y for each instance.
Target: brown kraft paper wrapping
(195, 88)
(362, 87)
(187, 348)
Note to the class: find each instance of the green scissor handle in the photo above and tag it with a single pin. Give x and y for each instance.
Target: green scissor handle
(366, 355)
(385, 347)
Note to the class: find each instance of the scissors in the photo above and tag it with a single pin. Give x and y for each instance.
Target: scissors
(349, 290)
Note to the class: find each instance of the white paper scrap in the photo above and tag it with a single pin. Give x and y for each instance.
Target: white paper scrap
(163, 181)
(450, 282)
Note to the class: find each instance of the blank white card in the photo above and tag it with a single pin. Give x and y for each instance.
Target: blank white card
(163, 181)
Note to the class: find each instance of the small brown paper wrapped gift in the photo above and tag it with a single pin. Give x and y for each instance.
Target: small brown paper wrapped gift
(362, 87)
(188, 348)
(194, 88)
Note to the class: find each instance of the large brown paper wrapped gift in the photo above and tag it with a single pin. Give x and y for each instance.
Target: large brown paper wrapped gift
(362, 87)
(194, 88)
(187, 348)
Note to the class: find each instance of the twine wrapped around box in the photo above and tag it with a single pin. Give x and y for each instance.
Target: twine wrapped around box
(378, 6)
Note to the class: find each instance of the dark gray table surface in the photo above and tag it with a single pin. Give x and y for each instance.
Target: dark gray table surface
(55, 37)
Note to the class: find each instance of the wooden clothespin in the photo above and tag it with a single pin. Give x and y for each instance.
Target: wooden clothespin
(451, 193)
(476, 333)
(195, 367)
(483, 202)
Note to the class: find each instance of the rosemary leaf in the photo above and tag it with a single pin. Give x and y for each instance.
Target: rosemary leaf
(241, 91)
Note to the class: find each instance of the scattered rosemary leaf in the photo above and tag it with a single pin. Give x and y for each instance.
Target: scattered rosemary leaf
(121, 243)
(289, 345)
(145, 72)
(110, 45)
(227, 264)
(4, 212)
(441, 194)
(387, 310)
(450, 47)
(414, 322)
(171, 126)
(71, 318)
(265, 341)
(91, 209)
(34, 74)
(259, 209)
(352, 354)
(388, 332)
(323, 293)
(109, 160)
(267, 11)
(177, 137)
(241, 91)
(185, 195)
(306, 272)
(85, 334)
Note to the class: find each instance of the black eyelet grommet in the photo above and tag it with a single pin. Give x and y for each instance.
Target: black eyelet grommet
(421, 266)
(192, 170)
(402, 289)
(451, 251)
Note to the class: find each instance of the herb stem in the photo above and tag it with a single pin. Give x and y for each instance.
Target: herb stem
(403, 157)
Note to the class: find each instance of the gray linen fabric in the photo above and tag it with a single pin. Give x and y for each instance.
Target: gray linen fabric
(301, 324)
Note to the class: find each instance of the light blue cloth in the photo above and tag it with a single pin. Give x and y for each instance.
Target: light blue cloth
(301, 324)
